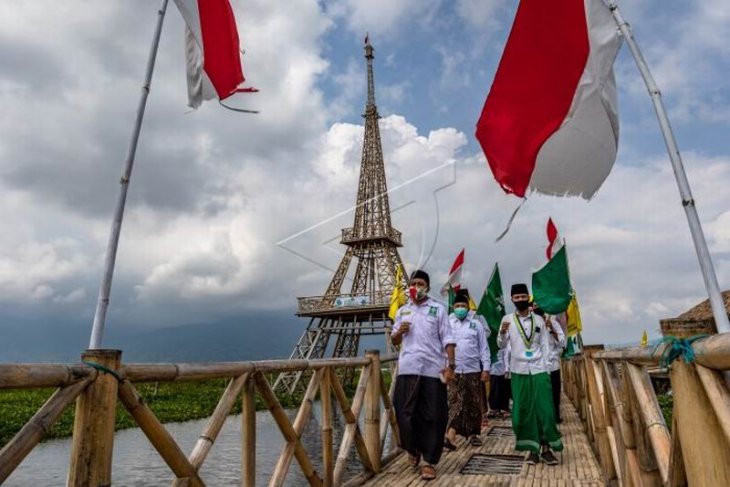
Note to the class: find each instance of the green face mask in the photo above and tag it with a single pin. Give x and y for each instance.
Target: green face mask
(461, 313)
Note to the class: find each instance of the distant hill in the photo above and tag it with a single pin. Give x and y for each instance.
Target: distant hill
(256, 336)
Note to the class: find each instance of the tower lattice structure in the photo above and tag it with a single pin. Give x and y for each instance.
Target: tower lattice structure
(372, 243)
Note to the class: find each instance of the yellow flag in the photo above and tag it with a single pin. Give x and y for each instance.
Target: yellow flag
(398, 298)
(575, 325)
(644, 340)
(472, 304)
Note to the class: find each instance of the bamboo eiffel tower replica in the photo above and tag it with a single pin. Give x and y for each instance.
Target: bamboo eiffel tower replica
(373, 243)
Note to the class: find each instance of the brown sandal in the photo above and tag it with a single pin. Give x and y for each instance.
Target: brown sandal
(414, 460)
(428, 472)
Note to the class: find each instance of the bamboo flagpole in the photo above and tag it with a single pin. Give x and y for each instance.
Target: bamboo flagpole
(97, 330)
(688, 202)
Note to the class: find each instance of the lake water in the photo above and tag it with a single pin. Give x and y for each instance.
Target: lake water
(137, 463)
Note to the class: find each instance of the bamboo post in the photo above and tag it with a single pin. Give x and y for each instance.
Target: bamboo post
(328, 459)
(160, 438)
(15, 451)
(248, 436)
(705, 449)
(372, 410)
(93, 432)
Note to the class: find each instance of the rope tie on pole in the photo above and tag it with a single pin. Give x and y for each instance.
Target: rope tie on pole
(101, 368)
(676, 348)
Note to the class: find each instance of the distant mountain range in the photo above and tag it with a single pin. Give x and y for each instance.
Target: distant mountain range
(256, 336)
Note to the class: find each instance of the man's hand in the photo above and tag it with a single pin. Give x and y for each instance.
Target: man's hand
(449, 375)
(404, 328)
(485, 376)
(504, 327)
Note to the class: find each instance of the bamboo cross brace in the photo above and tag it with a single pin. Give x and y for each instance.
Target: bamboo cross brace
(352, 428)
(215, 424)
(15, 451)
(599, 417)
(388, 416)
(305, 409)
(677, 474)
(287, 430)
(652, 417)
(159, 437)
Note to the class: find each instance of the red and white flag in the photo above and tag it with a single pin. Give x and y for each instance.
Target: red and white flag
(454, 280)
(555, 242)
(550, 121)
(212, 50)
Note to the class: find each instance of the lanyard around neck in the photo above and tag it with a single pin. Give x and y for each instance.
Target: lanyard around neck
(525, 339)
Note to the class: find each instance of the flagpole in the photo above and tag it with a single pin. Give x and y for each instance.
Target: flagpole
(688, 202)
(97, 330)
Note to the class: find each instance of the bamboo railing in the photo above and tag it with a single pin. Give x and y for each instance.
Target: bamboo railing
(102, 379)
(616, 400)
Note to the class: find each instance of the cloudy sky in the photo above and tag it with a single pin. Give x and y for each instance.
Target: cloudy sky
(230, 215)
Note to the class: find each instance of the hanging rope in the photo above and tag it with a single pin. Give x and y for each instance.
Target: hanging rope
(102, 368)
(676, 348)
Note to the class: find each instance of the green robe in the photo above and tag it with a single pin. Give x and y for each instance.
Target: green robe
(533, 413)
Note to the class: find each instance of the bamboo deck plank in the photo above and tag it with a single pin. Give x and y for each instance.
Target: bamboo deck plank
(578, 467)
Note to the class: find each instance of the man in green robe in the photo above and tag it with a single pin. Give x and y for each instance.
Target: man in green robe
(533, 414)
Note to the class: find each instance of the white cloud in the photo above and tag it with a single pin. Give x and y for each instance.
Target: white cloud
(213, 191)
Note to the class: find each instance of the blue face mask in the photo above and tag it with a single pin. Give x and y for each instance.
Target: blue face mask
(461, 313)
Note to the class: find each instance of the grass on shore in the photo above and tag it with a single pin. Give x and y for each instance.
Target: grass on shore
(171, 402)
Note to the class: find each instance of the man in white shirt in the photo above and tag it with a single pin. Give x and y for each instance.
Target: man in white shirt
(557, 345)
(426, 357)
(472, 371)
(533, 414)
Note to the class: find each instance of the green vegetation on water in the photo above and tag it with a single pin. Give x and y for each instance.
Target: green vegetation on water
(171, 402)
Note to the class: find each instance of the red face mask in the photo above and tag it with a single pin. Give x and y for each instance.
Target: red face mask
(413, 292)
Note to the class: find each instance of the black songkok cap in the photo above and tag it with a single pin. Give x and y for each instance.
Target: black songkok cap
(419, 274)
(520, 288)
(462, 296)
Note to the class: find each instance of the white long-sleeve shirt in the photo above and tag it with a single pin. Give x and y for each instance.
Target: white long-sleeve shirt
(423, 348)
(556, 346)
(524, 360)
(501, 365)
(472, 349)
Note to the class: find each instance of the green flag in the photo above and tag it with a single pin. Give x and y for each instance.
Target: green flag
(452, 296)
(491, 307)
(551, 285)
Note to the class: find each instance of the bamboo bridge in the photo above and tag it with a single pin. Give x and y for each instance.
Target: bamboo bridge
(613, 428)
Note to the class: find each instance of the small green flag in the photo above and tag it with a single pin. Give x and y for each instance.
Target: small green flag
(569, 348)
(551, 285)
(491, 307)
(452, 296)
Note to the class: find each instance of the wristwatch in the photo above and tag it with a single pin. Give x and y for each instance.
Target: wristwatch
(452, 366)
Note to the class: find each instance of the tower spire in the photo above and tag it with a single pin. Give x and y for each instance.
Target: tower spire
(372, 249)
(369, 50)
